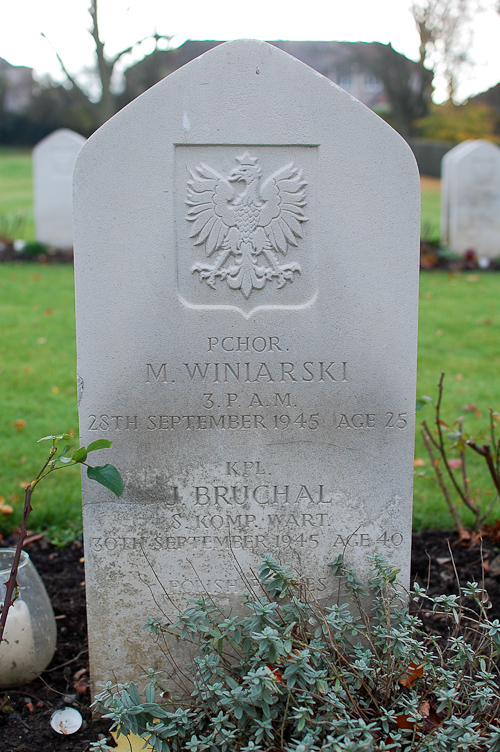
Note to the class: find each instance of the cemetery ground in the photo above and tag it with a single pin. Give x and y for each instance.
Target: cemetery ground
(459, 332)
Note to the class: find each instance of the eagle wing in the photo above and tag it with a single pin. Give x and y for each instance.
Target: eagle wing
(208, 194)
(283, 194)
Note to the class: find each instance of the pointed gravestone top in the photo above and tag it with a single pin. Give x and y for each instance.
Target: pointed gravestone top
(247, 241)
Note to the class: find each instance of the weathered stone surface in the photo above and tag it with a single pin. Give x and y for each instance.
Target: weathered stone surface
(470, 199)
(246, 238)
(53, 162)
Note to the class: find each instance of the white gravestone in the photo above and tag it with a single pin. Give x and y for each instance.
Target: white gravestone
(53, 163)
(471, 198)
(246, 240)
(446, 180)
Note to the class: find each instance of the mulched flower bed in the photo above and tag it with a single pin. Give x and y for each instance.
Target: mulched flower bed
(437, 559)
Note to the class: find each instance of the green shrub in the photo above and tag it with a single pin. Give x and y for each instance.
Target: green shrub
(291, 676)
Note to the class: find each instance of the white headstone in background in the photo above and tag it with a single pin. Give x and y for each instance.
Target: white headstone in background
(471, 199)
(247, 241)
(53, 163)
(446, 180)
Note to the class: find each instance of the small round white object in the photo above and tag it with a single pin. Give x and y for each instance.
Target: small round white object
(66, 721)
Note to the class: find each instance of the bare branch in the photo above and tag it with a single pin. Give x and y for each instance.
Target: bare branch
(66, 72)
(156, 37)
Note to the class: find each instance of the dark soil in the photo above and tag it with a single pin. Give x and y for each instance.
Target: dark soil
(25, 712)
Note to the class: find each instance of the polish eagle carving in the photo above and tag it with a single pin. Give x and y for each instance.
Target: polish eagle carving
(246, 223)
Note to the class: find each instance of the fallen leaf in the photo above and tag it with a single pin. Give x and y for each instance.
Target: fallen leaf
(42, 340)
(428, 295)
(82, 685)
(433, 720)
(23, 459)
(470, 407)
(48, 312)
(493, 532)
(473, 278)
(459, 377)
(31, 539)
(55, 390)
(27, 369)
(14, 497)
(464, 537)
(24, 484)
(487, 322)
(6, 509)
(425, 709)
(439, 333)
(455, 463)
(418, 462)
(30, 707)
(403, 722)
(36, 277)
(478, 414)
(19, 424)
(411, 675)
(129, 743)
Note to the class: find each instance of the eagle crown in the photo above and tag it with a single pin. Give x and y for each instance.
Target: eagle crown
(247, 171)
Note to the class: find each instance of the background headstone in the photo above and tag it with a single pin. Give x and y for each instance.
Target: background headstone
(470, 199)
(53, 163)
(247, 242)
(447, 175)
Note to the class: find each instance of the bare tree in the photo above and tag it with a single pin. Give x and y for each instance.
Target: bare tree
(445, 29)
(106, 105)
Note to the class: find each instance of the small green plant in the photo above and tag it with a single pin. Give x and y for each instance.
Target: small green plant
(292, 676)
(58, 459)
(34, 248)
(448, 446)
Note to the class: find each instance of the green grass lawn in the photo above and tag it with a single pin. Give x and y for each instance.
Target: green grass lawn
(431, 209)
(37, 390)
(16, 194)
(459, 333)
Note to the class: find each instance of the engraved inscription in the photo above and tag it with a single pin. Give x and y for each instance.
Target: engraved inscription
(224, 421)
(245, 223)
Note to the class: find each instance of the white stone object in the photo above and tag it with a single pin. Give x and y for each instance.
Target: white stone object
(470, 199)
(246, 249)
(18, 647)
(53, 162)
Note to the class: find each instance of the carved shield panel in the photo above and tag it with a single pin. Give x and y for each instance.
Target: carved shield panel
(245, 226)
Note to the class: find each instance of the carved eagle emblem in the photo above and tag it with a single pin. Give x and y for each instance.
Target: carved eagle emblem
(246, 223)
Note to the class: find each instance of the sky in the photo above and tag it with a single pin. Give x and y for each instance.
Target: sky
(122, 22)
